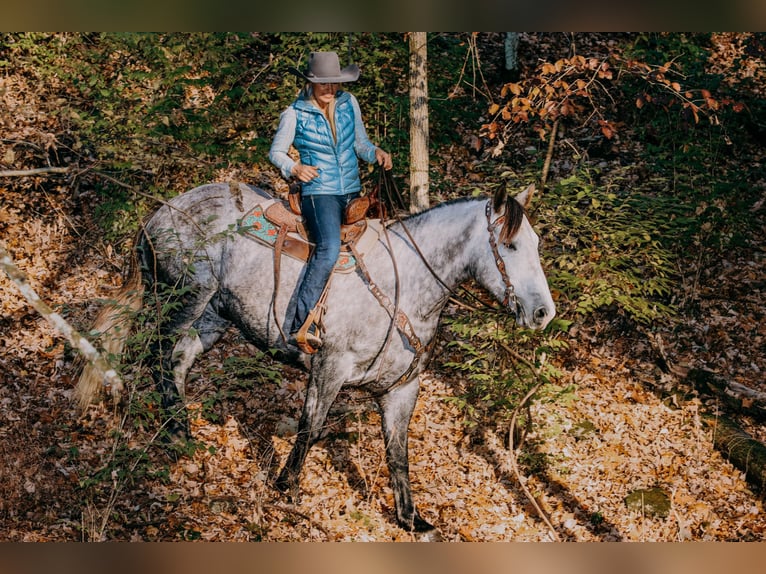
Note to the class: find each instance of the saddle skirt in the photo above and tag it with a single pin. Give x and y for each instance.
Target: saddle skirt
(272, 223)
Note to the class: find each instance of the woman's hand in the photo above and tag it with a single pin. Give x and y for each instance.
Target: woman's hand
(384, 159)
(305, 173)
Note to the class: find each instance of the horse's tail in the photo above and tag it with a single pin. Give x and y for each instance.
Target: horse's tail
(113, 325)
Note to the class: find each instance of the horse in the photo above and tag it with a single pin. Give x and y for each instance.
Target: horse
(195, 241)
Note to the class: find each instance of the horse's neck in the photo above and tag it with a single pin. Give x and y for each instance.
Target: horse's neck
(447, 237)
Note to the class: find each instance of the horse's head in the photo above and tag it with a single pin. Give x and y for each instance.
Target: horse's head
(518, 275)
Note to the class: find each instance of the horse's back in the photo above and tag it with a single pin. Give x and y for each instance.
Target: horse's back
(190, 230)
(203, 212)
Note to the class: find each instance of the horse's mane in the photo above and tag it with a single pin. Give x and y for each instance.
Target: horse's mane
(514, 215)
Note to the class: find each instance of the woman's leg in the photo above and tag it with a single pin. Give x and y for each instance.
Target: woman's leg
(323, 215)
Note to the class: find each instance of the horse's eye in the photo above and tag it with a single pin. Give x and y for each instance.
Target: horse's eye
(510, 245)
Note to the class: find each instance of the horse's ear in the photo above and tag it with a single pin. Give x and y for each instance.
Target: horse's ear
(525, 197)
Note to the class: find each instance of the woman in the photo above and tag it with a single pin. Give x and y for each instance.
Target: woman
(325, 125)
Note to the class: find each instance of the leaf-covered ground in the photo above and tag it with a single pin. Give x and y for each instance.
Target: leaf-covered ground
(602, 431)
(462, 476)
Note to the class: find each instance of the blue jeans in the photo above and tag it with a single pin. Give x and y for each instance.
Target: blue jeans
(322, 215)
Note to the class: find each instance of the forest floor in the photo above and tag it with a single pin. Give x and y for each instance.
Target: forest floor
(608, 426)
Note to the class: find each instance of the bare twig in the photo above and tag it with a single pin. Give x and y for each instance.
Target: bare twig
(511, 448)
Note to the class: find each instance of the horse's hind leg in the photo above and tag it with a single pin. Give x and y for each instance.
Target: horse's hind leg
(195, 336)
(396, 407)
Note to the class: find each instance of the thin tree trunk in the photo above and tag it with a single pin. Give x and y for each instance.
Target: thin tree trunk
(418, 122)
(511, 46)
(59, 323)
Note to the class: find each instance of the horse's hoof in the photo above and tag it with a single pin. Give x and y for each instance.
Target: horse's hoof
(176, 432)
(289, 488)
(419, 527)
(177, 440)
(432, 535)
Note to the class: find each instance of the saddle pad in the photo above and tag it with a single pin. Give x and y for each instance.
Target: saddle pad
(256, 226)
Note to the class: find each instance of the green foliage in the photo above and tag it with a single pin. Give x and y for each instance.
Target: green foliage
(488, 346)
(607, 246)
(454, 96)
(689, 138)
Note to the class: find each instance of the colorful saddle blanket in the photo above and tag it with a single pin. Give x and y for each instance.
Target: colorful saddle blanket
(264, 221)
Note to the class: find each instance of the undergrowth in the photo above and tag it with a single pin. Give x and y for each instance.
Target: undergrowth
(499, 362)
(607, 245)
(142, 450)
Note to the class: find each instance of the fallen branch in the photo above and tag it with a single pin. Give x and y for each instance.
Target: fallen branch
(29, 172)
(739, 448)
(511, 448)
(15, 274)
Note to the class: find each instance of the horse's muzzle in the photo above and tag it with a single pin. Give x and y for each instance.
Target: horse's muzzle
(538, 319)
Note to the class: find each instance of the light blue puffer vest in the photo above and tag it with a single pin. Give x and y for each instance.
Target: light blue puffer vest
(339, 168)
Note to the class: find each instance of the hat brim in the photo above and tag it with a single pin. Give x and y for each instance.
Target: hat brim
(347, 74)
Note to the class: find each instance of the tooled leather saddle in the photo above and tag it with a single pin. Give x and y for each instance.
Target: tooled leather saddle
(272, 222)
(278, 224)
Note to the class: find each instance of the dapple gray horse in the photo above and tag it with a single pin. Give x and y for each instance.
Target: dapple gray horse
(195, 240)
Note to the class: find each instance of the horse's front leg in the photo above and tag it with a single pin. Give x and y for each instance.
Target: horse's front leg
(396, 407)
(321, 392)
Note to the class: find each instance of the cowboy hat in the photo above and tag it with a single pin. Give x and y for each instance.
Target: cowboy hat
(324, 68)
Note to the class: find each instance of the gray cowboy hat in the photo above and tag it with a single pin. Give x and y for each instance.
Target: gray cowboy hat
(324, 68)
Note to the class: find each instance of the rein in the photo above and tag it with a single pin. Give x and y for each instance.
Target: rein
(399, 320)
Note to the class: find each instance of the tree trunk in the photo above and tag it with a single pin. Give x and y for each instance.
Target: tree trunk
(418, 122)
(511, 56)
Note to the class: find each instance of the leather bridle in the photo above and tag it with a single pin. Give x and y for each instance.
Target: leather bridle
(510, 293)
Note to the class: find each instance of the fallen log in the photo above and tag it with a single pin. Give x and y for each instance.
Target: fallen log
(739, 448)
(734, 396)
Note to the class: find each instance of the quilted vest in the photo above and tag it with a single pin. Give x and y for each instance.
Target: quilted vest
(336, 159)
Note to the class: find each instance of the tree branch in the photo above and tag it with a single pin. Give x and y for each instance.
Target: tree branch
(735, 396)
(37, 171)
(59, 323)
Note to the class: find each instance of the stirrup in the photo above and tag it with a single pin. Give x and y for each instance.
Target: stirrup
(307, 341)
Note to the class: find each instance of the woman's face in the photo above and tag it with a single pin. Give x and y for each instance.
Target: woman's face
(324, 93)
